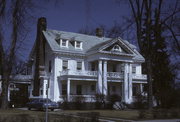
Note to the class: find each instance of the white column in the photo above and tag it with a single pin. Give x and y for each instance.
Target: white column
(105, 78)
(68, 89)
(125, 83)
(130, 83)
(57, 69)
(141, 88)
(99, 84)
(45, 87)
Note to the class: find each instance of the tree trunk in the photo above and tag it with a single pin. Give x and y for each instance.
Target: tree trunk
(149, 80)
(5, 84)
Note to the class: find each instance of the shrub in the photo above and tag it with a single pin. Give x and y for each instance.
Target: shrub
(113, 99)
(78, 102)
(64, 105)
(140, 102)
(100, 101)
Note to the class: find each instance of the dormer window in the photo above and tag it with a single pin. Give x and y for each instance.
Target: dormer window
(64, 43)
(117, 48)
(78, 45)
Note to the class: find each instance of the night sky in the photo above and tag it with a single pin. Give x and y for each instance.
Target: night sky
(73, 15)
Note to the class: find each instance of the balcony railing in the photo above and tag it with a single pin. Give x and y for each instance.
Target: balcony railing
(79, 73)
(116, 75)
(139, 76)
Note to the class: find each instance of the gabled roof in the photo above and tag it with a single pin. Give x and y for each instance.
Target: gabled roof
(90, 43)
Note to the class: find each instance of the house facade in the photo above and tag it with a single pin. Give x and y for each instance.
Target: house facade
(73, 64)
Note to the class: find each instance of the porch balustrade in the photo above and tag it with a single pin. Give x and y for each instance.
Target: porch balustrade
(117, 75)
(114, 75)
(139, 76)
(78, 73)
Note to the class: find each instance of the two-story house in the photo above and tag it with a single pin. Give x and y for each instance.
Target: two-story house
(73, 64)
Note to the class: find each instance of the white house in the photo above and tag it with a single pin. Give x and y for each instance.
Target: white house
(78, 64)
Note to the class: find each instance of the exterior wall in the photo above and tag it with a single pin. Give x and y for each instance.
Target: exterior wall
(123, 89)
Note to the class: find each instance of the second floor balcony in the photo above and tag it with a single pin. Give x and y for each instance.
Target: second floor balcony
(113, 75)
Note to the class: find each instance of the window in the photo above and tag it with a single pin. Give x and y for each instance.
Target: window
(92, 87)
(78, 45)
(136, 89)
(114, 67)
(93, 65)
(133, 69)
(64, 43)
(79, 65)
(79, 90)
(122, 68)
(64, 89)
(49, 66)
(114, 88)
(65, 64)
(117, 48)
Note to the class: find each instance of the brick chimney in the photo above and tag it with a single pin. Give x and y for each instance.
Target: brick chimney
(99, 32)
(40, 55)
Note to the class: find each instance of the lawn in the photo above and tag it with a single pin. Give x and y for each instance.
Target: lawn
(15, 115)
(125, 114)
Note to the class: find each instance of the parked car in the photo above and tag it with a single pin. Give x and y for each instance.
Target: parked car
(42, 103)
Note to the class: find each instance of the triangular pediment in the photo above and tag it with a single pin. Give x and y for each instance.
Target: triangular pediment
(117, 47)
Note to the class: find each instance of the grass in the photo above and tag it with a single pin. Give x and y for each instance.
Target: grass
(15, 115)
(125, 114)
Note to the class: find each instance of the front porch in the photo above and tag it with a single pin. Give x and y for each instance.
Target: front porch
(88, 89)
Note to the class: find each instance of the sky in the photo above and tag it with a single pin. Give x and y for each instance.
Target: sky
(73, 15)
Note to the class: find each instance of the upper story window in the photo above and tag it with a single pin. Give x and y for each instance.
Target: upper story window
(79, 65)
(134, 69)
(117, 48)
(78, 45)
(64, 43)
(65, 64)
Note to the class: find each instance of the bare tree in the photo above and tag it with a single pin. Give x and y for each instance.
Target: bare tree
(150, 26)
(15, 12)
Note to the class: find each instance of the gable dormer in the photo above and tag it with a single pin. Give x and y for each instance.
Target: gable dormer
(62, 42)
(117, 47)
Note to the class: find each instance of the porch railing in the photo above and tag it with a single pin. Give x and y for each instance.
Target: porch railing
(78, 73)
(114, 75)
(139, 76)
(117, 75)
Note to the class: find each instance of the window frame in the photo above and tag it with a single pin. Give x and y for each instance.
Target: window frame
(63, 64)
(79, 45)
(118, 49)
(64, 41)
(80, 68)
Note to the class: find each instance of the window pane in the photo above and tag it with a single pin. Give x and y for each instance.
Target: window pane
(79, 65)
(133, 69)
(78, 44)
(92, 87)
(65, 64)
(64, 42)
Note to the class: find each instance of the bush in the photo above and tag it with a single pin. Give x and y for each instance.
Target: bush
(112, 99)
(141, 102)
(78, 102)
(100, 101)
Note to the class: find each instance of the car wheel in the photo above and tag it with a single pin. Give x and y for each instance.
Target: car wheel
(52, 109)
(29, 108)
